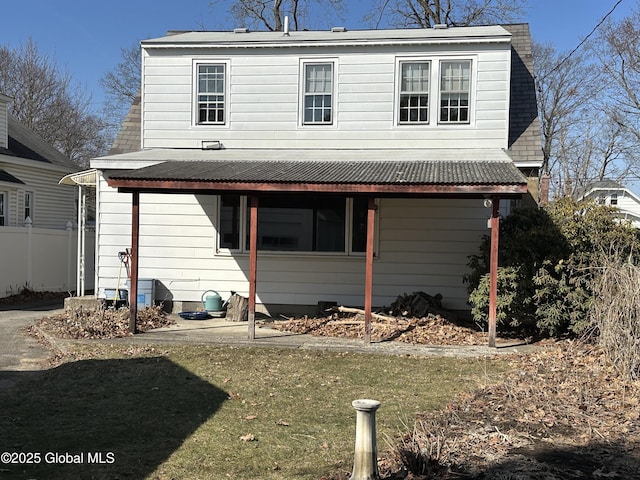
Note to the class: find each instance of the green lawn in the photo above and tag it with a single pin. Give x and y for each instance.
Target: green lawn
(198, 412)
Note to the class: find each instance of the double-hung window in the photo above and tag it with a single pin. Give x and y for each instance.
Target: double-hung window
(318, 94)
(455, 85)
(211, 92)
(296, 223)
(414, 92)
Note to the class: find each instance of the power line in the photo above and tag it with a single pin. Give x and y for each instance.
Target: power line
(583, 40)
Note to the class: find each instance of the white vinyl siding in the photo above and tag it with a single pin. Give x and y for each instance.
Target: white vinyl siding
(423, 245)
(53, 204)
(265, 90)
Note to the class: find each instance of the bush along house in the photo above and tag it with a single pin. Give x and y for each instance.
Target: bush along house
(318, 166)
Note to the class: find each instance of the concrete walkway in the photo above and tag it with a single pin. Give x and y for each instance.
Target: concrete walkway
(19, 352)
(222, 332)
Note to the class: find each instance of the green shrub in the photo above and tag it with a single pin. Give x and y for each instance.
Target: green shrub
(547, 259)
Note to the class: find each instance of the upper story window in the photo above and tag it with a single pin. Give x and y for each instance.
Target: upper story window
(318, 93)
(614, 199)
(455, 86)
(414, 92)
(211, 91)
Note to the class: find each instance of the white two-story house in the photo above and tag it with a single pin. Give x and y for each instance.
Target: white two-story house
(304, 167)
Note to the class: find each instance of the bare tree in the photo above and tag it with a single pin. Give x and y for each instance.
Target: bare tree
(269, 14)
(426, 13)
(46, 100)
(566, 93)
(121, 86)
(618, 48)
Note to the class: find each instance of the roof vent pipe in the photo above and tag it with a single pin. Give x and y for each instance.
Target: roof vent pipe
(440, 26)
(286, 26)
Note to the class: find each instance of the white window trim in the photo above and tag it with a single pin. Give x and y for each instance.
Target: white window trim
(472, 90)
(334, 92)
(195, 113)
(242, 232)
(397, 90)
(434, 91)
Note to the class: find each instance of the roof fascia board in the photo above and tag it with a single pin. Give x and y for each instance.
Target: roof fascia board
(354, 188)
(324, 44)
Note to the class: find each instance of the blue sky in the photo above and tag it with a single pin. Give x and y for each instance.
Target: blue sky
(85, 36)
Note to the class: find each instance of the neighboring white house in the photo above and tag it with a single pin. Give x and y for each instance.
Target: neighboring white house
(36, 212)
(317, 133)
(609, 192)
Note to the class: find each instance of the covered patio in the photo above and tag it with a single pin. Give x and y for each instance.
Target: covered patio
(489, 175)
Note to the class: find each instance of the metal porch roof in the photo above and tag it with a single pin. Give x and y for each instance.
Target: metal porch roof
(398, 176)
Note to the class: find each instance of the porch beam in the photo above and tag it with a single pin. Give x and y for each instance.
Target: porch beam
(135, 242)
(180, 186)
(493, 270)
(253, 264)
(368, 278)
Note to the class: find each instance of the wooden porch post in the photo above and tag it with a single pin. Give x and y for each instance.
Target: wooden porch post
(253, 264)
(368, 281)
(135, 242)
(493, 270)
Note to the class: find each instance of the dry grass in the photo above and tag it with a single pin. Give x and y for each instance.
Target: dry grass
(198, 412)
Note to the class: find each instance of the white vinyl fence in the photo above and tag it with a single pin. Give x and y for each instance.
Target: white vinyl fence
(43, 259)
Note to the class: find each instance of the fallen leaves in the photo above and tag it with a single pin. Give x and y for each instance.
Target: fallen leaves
(429, 330)
(94, 323)
(559, 413)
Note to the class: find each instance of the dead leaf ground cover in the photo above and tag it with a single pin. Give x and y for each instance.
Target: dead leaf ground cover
(429, 330)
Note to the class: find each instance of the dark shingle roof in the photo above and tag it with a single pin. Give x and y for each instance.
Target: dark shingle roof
(128, 138)
(25, 143)
(525, 144)
(7, 177)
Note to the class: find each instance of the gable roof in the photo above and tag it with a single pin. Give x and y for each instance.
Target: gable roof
(24, 143)
(524, 146)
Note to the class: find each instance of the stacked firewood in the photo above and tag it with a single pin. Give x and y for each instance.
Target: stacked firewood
(417, 305)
